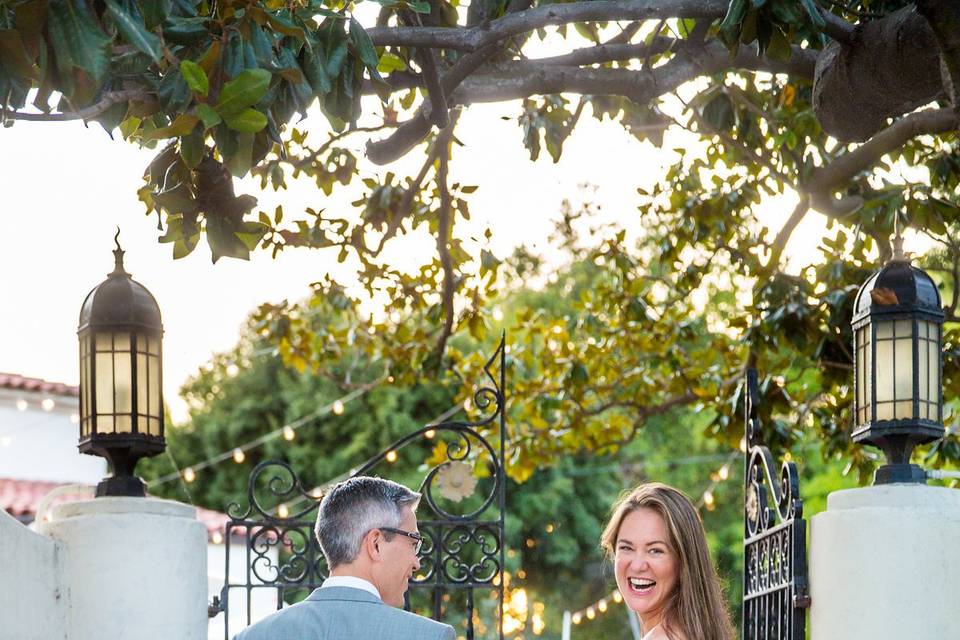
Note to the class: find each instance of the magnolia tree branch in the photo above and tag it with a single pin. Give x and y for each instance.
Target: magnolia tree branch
(444, 226)
(108, 100)
(521, 79)
(824, 182)
(550, 15)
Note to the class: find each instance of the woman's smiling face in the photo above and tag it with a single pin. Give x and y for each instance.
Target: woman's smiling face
(645, 564)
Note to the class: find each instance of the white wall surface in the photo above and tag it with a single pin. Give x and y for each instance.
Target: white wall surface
(42, 445)
(135, 568)
(885, 564)
(32, 596)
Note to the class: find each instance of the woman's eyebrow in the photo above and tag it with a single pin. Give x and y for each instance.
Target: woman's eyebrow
(657, 542)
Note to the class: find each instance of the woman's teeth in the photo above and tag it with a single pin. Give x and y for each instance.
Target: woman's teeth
(642, 584)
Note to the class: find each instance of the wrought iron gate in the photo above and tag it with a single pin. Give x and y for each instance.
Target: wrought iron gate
(463, 549)
(775, 595)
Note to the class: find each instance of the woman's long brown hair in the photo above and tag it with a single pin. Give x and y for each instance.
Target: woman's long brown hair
(695, 610)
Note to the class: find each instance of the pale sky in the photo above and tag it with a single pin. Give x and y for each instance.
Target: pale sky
(64, 188)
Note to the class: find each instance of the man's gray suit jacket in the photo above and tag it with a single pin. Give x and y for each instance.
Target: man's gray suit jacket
(345, 613)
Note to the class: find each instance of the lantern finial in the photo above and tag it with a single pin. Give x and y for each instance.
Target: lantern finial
(118, 269)
(898, 254)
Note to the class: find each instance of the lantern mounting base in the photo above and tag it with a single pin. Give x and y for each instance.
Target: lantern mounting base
(900, 474)
(127, 486)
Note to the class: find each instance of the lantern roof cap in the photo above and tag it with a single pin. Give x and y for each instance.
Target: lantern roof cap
(898, 287)
(120, 301)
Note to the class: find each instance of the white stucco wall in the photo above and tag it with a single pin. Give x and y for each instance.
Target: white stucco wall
(32, 594)
(884, 564)
(135, 569)
(42, 445)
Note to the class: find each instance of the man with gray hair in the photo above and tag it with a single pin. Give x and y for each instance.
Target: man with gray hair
(367, 529)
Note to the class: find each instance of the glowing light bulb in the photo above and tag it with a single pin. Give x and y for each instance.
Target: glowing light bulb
(724, 472)
(337, 407)
(74, 418)
(189, 474)
(591, 613)
(577, 617)
(288, 433)
(217, 537)
(22, 405)
(743, 444)
(283, 511)
(602, 606)
(48, 404)
(617, 597)
(429, 433)
(238, 455)
(550, 528)
(391, 456)
(708, 498)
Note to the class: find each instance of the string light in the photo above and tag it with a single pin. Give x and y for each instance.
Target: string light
(283, 511)
(617, 597)
(724, 472)
(74, 418)
(549, 528)
(429, 434)
(391, 456)
(288, 432)
(22, 405)
(337, 407)
(238, 455)
(48, 404)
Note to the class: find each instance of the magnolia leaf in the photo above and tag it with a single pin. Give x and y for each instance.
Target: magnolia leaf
(243, 91)
(208, 115)
(181, 126)
(77, 39)
(195, 76)
(247, 121)
(364, 47)
(133, 29)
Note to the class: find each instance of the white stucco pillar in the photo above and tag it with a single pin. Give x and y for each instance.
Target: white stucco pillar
(885, 564)
(135, 569)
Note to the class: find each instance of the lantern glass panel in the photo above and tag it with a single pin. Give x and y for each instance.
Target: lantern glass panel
(933, 348)
(142, 388)
(863, 395)
(154, 386)
(104, 382)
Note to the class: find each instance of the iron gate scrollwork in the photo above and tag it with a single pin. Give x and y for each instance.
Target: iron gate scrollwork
(462, 552)
(775, 593)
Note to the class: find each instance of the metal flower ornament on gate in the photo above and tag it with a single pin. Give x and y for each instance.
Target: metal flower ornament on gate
(775, 594)
(461, 519)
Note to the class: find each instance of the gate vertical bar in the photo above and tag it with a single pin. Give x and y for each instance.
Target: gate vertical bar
(775, 595)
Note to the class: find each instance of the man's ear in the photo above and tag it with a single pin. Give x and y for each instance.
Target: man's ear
(372, 544)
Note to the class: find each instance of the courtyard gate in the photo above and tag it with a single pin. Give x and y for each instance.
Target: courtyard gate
(461, 518)
(775, 589)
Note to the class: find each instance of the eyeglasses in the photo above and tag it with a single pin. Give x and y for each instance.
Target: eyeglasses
(410, 534)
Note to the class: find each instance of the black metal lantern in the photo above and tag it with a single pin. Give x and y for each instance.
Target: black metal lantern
(897, 329)
(121, 402)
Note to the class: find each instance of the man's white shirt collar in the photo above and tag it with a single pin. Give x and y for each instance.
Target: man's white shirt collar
(352, 582)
